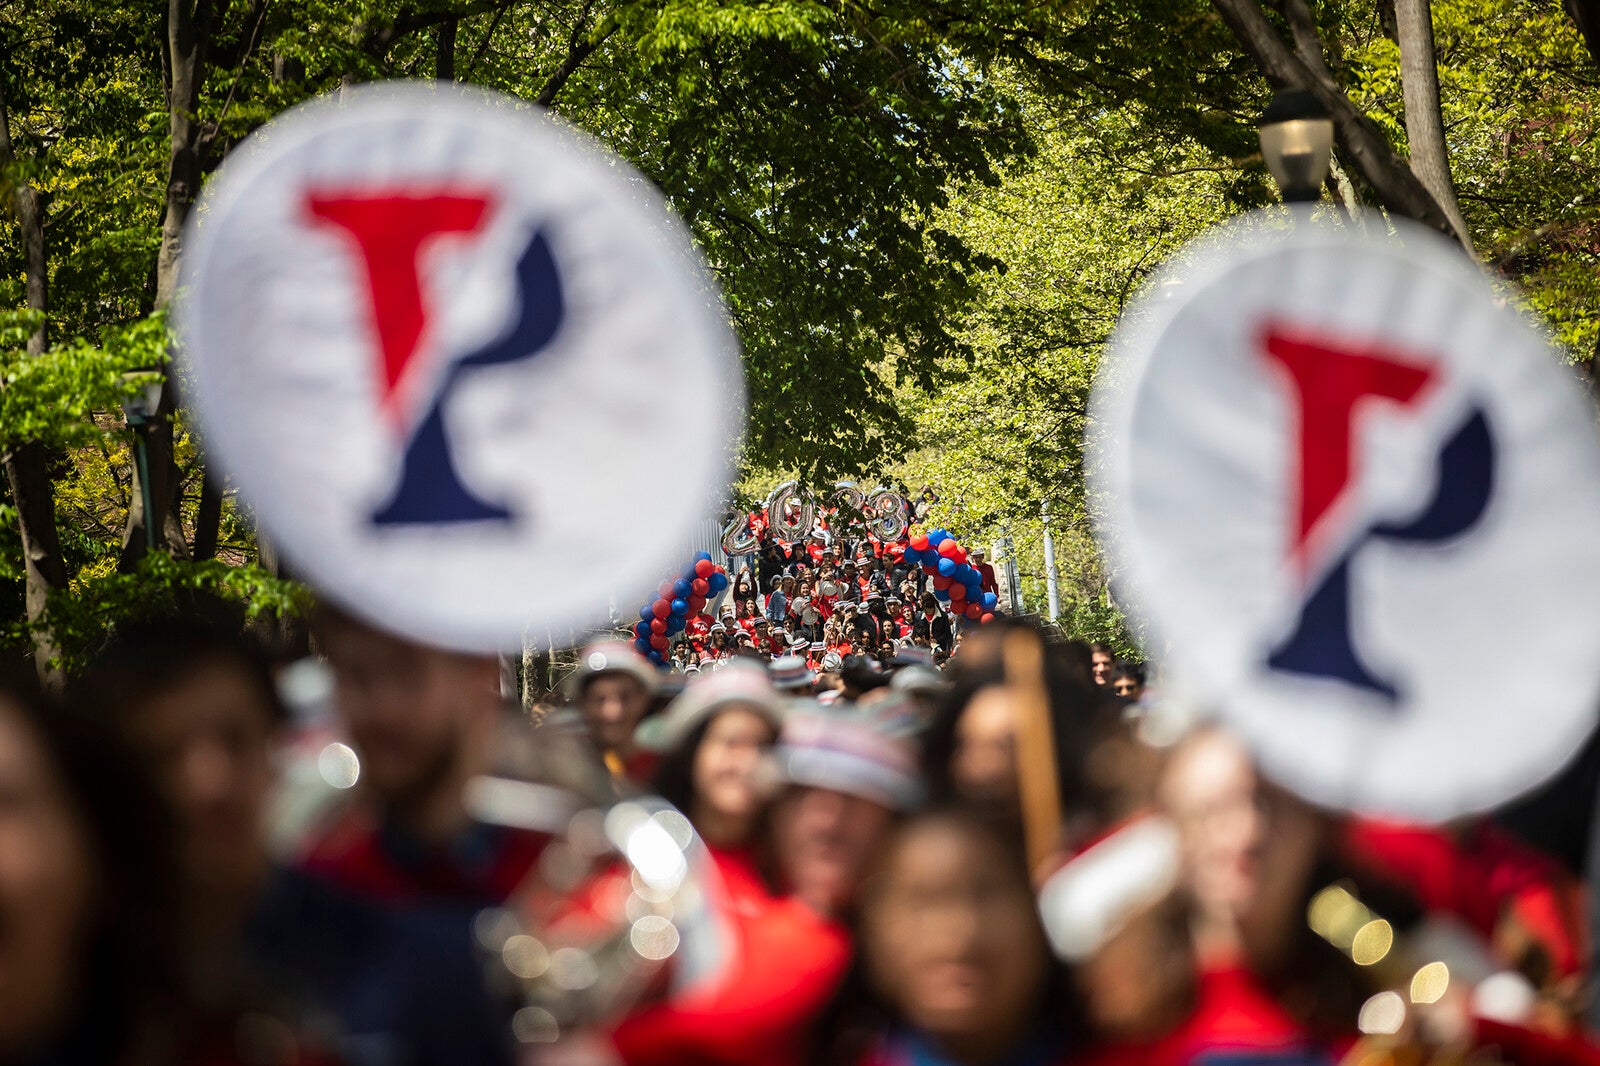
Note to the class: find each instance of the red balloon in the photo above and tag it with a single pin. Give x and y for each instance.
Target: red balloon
(661, 608)
(931, 568)
(975, 611)
(665, 591)
(959, 555)
(704, 568)
(700, 586)
(958, 591)
(658, 642)
(695, 603)
(920, 542)
(987, 618)
(659, 627)
(942, 583)
(949, 548)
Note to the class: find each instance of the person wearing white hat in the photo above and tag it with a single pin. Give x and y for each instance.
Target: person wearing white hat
(713, 739)
(612, 688)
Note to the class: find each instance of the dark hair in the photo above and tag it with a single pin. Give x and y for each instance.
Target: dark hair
(1075, 711)
(130, 961)
(1130, 671)
(153, 655)
(674, 776)
(858, 1014)
(1100, 647)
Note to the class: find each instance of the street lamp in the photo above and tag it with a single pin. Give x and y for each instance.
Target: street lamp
(140, 410)
(1297, 143)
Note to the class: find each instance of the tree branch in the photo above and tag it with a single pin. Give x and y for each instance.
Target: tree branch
(1389, 176)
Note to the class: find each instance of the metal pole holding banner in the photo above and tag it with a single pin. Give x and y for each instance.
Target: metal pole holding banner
(1052, 590)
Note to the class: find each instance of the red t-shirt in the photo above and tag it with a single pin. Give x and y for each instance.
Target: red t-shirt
(1232, 1013)
(482, 867)
(786, 965)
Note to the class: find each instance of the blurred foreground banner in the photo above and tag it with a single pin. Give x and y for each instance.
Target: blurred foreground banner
(1354, 490)
(438, 341)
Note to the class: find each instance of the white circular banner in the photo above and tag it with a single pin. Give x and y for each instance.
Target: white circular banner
(464, 363)
(1356, 500)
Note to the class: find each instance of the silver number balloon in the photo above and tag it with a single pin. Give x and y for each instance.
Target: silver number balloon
(790, 525)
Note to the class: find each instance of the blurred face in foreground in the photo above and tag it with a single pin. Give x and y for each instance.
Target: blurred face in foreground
(726, 797)
(1211, 791)
(46, 898)
(208, 740)
(613, 704)
(824, 841)
(1101, 663)
(984, 765)
(419, 717)
(951, 937)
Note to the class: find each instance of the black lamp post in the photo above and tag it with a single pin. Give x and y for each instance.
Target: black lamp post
(1297, 143)
(140, 410)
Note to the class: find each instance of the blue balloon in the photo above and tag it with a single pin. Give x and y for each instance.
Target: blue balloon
(680, 608)
(989, 600)
(718, 581)
(643, 645)
(675, 626)
(946, 567)
(972, 579)
(913, 557)
(941, 595)
(645, 613)
(680, 588)
(938, 537)
(702, 557)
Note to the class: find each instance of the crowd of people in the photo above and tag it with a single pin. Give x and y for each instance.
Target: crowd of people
(824, 600)
(888, 876)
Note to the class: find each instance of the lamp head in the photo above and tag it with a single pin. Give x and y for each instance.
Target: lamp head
(1297, 143)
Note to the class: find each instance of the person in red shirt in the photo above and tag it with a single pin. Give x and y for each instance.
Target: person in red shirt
(844, 783)
(985, 571)
(422, 721)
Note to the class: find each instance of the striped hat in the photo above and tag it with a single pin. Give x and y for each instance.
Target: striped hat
(849, 753)
(790, 671)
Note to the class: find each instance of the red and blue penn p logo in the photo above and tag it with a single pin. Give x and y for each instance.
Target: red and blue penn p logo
(386, 231)
(437, 339)
(1338, 476)
(1328, 381)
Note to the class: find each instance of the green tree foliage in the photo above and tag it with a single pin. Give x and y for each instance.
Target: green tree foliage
(925, 215)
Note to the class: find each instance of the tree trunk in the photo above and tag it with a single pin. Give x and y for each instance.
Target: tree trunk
(445, 61)
(1586, 13)
(209, 518)
(1419, 82)
(189, 32)
(27, 465)
(1385, 172)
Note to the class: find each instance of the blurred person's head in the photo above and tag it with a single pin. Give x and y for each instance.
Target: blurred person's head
(715, 736)
(1209, 790)
(1127, 680)
(983, 766)
(950, 937)
(845, 782)
(197, 704)
(88, 893)
(614, 688)
(1101, 661)
(420, 718)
